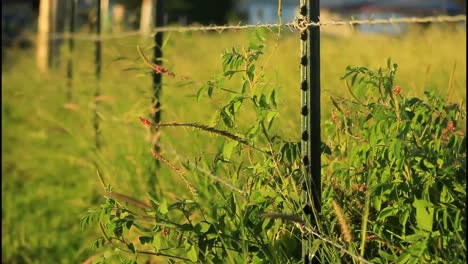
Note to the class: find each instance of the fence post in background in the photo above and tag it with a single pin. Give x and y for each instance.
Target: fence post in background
(157, 85)
(97, 62)
(310, 123)
(43, 36)
(53, 31)
(145, 17)
(105, 16)
(157, 77)
(118, 16)
(71, 47)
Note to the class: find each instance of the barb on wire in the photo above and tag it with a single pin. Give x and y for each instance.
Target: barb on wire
(221, 28)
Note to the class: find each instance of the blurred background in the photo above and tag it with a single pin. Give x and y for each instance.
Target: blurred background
(49, 101)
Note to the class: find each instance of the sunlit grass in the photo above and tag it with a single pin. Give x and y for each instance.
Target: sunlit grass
(48, 169)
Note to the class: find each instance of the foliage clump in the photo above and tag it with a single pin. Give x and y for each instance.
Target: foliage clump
(393, 189)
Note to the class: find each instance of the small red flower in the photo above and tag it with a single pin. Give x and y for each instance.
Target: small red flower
(397, 90)
(450, 126)
(159, 69)
(334, 117)
(145, 122)
(162, 70)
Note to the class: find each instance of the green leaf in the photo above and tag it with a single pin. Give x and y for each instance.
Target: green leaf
(245, 86)
(387, 256)
(263, 102)
(270, 116)
(360, 90)
(428, 164)
(403, 216)
(228, 149)
(98, 243)
(315, 246)
(257, 197)
(389, 63)
(204, 227)
(231, 205)
(163, 208)
(396, 149)
(201, 91)
(386, 212)
(153, 200)
(251, 72)
(414, 253)
(157, 241)
(259, 34)
(236, 103)
(192, 254)
(227, 117)
(131, 247)
(353, 79)
(230, 73)
(424, 214)
(273, 99)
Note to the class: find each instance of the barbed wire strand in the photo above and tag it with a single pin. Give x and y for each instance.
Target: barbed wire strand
(295, 25)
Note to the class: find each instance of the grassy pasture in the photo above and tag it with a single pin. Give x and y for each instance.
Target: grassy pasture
(48, 175)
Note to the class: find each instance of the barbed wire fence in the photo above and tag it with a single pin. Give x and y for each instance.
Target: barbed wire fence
(308, 24)
(293, 26)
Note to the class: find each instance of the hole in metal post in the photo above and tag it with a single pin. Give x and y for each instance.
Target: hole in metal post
(305, 160)
(304, 85)
(304, 110)
(304, 60)
(303, 10)
(304, 35)
(305, 135)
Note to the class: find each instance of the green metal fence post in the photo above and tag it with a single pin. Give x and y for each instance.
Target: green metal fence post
(310, 123)
(71, 48)
(97, 62)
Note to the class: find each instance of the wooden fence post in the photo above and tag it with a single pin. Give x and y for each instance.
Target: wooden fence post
(310, 111)
(118, 16)
(42, 52)
(145, 17)
(105, 16)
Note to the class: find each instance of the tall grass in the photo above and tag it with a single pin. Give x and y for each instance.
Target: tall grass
(48, 172)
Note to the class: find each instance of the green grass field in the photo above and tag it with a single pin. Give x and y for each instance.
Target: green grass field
(48, 174)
